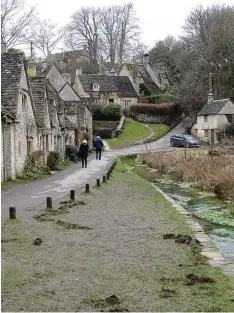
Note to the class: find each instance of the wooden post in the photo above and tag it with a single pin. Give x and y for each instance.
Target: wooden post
(49, 202)
(87, 188)
(104, 179)
(72, 195)
(12, 211)
(98, 182)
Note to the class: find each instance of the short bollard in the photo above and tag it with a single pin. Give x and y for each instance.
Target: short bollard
(104, 179)
(49, 202)
(12, 212)
(87, 188)
(98, 182)
(72, 195)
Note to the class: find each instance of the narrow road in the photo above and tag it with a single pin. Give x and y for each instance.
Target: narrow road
(29, 196)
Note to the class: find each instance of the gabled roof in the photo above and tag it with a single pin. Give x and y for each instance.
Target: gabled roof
(214, 107)
(38, 88)
(120, 84)
(11, 70)
(148, 80)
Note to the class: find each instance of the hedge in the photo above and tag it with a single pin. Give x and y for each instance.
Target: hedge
(160, 98)
(157, 109)
(111, 112)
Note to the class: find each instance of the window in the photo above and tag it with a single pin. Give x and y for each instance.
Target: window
(19, 147)
(96, 87)
(29, 146)
(47, 142)
(205, 118)
(24, 102)
(127, 103)
(206, 133)
(97, 100)
(51, 139)
(54, 140)
(111, 100)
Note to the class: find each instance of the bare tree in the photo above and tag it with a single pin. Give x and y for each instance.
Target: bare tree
(84, 30)
(15, 22)
(45, 36)
(129, 29)
(110, 32)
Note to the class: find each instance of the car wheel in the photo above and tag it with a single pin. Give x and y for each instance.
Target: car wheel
(172, 144)
(187, 145)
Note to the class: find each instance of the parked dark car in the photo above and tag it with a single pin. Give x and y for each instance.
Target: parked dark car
(187, 141)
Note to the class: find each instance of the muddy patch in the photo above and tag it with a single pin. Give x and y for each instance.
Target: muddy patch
(68, 225)
(194, 279)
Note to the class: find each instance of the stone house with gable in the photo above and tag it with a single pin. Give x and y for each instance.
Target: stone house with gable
(151, 75)
(50, 134)
(18, 125)
(77, 119)
(103, 89)
(213, 117)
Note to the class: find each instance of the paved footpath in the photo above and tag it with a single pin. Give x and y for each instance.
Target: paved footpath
(29, 196)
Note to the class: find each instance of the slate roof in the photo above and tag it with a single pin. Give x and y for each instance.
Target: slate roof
(214, 107)
(120, 84)
(11, 69)
(38, 87)
(148, 80)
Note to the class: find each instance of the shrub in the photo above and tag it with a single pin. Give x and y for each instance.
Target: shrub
(53, 160)
(111, 112)
(36, 157)
(160, 98)
(171, 109)
(32, 172)
(72, 153)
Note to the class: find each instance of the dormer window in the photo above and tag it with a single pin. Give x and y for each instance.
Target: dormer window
(96, 87)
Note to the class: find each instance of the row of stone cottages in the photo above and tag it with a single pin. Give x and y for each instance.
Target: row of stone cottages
(37, 113)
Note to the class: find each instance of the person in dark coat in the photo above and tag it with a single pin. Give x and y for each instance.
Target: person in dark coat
(98, 145)
(84, 151)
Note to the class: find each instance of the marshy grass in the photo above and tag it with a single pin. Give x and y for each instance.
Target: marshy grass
(211, 173)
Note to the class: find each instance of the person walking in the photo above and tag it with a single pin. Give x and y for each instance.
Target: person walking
(84, 151)
(98, 145)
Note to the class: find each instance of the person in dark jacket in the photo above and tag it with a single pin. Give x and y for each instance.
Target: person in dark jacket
(98, 145)
(84, 151)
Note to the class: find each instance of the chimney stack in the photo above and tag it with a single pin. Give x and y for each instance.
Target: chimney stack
(145, 58)
(78, 71)
(210, 97)
(3, 47)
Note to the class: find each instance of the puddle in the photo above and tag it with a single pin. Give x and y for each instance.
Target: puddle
(211, 213)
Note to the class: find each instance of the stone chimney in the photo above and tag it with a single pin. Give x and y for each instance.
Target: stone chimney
(32, 68)
(145, 58)
(78, 71)
(3, 47)
(210, 97)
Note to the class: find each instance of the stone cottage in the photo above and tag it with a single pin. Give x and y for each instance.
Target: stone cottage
(19, 132)
(50, 134)
(151, 75)
(104, 89)
(77, 118)
(213, 117)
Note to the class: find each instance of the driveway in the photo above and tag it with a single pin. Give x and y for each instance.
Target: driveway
(29, 196)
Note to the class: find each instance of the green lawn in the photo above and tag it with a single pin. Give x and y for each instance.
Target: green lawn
(159, 130)
(132, 133)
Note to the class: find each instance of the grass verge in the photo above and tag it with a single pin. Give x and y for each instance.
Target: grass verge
(123, 254)
(159, 130)
(132, 133)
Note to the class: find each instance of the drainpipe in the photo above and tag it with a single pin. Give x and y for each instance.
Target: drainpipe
(4, 151)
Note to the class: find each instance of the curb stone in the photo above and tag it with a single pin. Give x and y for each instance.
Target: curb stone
(215, 258)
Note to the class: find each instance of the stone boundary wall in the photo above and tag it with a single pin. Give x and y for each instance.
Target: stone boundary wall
(157, 119)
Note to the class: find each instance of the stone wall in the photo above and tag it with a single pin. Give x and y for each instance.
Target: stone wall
(111, 125)
(159, 119)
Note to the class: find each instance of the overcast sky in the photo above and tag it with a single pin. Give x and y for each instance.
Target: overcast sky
(157, 18)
